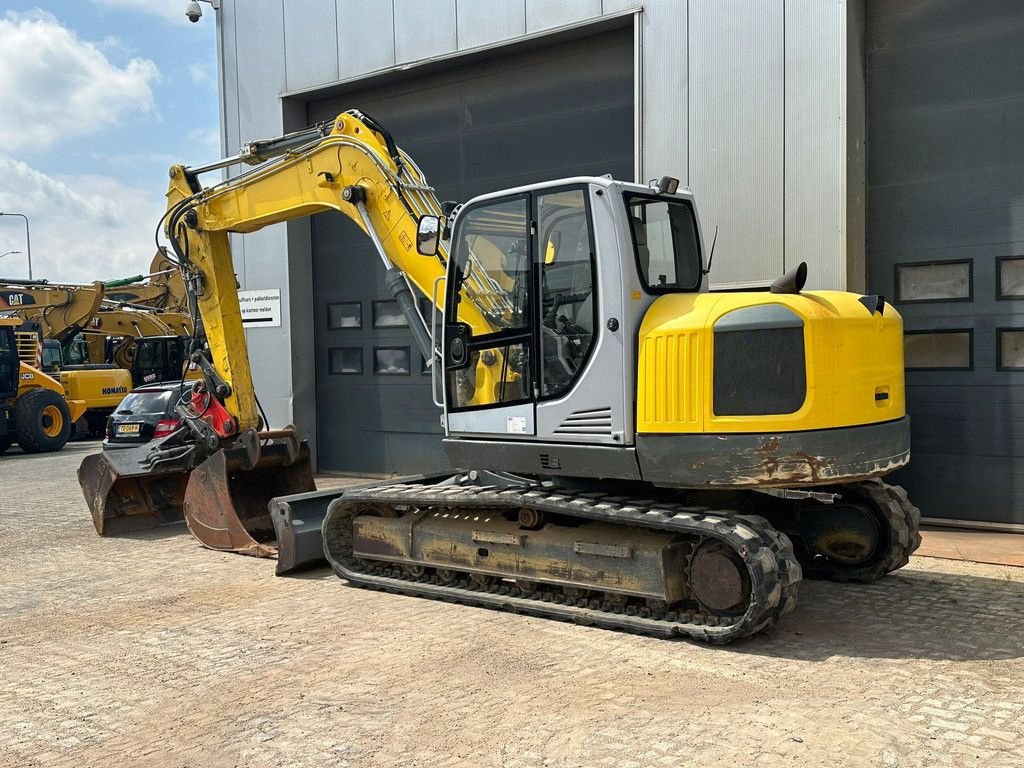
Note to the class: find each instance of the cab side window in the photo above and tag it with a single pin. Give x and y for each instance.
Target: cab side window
(567, 287)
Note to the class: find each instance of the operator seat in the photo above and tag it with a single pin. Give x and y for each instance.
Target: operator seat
(642, 251)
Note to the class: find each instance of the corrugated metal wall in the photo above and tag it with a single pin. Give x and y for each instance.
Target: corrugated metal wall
(745, 101)
(946, 184)
(470, 134)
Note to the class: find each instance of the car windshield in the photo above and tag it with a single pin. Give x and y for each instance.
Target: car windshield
(665, 238)
(147, 403)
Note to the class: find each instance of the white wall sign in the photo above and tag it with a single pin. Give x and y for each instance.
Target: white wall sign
(261, 309)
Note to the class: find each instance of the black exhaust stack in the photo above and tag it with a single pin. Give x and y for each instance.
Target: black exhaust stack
(793, 281)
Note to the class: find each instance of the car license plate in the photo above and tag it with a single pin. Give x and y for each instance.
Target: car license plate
(128, 429)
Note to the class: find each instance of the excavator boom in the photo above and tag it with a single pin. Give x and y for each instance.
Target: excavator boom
(220, 471)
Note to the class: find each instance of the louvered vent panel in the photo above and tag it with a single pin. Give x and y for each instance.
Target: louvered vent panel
(597, 421)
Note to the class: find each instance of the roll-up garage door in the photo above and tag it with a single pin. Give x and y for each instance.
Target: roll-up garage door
(946, 241)
(480, 126)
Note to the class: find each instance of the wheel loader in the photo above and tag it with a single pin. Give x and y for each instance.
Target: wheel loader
(635, 452)
(34, 412)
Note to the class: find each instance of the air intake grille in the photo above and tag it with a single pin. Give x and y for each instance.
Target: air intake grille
(597, 421)
(759, 371)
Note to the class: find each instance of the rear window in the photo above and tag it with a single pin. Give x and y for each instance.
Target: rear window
(665, 238)
(143, 403)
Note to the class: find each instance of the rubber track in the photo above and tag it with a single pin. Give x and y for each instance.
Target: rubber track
(768, 554)
(904, 524)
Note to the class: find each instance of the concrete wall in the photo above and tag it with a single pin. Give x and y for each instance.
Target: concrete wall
(747, 101)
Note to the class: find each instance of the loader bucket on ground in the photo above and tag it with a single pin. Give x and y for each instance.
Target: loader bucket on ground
(124, 495)
(226, 502)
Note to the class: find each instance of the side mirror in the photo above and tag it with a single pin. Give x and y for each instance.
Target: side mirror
(428, 235)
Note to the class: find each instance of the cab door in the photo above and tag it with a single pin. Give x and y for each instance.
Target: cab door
(9, 364)
(525, 355)
(489, 342)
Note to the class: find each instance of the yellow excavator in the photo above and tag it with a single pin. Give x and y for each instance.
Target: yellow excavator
(34, 410)
(636, 452)
(162, 288)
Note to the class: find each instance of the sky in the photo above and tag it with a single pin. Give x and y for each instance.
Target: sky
(97, 99)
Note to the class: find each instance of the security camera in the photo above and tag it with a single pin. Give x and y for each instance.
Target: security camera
(193, 11)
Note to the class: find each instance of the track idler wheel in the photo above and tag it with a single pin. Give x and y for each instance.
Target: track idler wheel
(870, 533)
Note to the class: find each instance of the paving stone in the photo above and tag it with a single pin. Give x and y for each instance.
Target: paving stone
(147, 650)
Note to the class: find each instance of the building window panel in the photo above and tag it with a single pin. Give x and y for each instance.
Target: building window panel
(387, 314)
(346, 314)
(1011, 349)
(938, 350)
(1010, 280)
(345, 361)
(934, 281)
(391, 361)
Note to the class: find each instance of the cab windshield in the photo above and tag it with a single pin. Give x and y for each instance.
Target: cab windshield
(665, 242)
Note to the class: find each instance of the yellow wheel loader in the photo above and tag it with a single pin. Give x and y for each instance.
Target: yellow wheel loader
(636, 452)
(34, 412)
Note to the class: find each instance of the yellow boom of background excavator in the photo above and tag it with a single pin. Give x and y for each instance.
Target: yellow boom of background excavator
(638, 453)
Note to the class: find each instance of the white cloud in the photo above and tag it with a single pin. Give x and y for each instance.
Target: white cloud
(200, 74)
(55, 85)
(171, 11)
(83, 228)
(205, 142)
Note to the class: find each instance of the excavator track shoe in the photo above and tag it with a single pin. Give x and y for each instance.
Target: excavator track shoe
(226, 503)
(600, 560)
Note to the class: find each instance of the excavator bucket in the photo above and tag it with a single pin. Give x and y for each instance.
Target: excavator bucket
(226, 502)
(125, 495)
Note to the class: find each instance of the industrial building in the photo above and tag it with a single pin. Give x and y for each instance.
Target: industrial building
(877, 140)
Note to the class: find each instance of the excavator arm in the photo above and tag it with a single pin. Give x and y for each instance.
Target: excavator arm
(350, 166)
(205, 470)
(60, 311)
(163, 288)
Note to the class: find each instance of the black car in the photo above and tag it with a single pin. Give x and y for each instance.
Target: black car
(147, 413)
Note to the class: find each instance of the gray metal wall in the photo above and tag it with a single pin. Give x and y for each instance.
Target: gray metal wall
(946, 183)
(562, 110)
(746, 101)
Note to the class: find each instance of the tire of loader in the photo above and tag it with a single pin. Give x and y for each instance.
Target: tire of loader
(42, 421)
(6, 441)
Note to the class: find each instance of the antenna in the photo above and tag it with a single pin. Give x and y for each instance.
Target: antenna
(712, 254)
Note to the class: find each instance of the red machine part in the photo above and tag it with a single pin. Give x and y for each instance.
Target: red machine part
(205, 406)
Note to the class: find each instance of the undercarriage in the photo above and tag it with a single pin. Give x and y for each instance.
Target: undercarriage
(656, 564)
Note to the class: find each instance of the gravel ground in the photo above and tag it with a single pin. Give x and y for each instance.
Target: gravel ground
(151, 651)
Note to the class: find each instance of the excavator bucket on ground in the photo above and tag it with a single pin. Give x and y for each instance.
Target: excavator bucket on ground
(124, 495)
(224, 500)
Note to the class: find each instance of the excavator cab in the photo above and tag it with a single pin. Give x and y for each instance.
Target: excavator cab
(151, 359)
